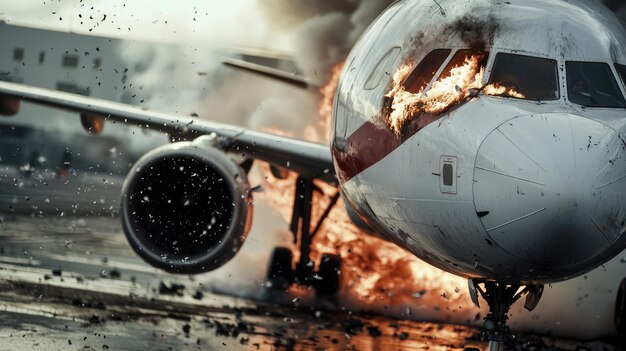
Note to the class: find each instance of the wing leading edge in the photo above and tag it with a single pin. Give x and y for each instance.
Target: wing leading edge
(307, 159)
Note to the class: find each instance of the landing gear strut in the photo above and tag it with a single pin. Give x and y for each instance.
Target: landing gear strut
(280, 273)
(500, 297)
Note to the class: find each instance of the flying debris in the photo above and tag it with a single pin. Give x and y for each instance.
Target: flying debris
(486, 139)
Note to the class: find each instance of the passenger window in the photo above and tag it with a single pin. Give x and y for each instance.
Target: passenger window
(592, 84)
(425, 71)
(18, 54)
(533, 77)
(382, 69)
(70, 61)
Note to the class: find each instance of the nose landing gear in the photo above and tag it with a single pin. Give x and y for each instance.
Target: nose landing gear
(500, 297)
(280, 273)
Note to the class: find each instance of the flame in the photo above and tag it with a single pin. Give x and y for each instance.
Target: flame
(376, 274)
(496, 89)
(327, 93)
(453, 88)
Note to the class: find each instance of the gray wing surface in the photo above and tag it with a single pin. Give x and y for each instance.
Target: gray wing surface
(307, 159)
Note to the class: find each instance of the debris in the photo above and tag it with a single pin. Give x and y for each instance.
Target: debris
(172, 289)
(112, 274)
(232, 330)
(352, 326)
(88, 304)
(198, 295)
(115, 274)
(373, 331)
(186, 329)
(95, 319)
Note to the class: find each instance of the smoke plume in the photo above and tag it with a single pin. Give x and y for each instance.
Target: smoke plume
(323, 31)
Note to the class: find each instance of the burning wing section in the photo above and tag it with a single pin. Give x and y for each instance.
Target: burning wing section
(186, 206)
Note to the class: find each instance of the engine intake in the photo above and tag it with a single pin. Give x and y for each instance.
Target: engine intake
(186, 208)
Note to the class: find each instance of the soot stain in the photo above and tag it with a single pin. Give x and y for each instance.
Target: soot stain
(477, 32)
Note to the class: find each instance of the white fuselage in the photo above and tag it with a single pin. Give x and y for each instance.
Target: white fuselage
(495, 187)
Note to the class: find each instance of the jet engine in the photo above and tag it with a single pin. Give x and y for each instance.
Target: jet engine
(186, 207)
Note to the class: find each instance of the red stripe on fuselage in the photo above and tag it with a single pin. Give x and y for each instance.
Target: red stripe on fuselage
(372, 142)
(366, 146)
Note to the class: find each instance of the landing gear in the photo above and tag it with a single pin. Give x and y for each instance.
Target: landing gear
(326, 281)
(280, 273)
(500, 297)
(620, 308)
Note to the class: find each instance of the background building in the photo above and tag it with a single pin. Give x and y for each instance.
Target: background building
(42, 147)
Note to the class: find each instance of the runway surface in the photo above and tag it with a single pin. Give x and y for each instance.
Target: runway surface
(74, 284)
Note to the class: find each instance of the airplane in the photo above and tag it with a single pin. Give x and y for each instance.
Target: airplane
(485, 137)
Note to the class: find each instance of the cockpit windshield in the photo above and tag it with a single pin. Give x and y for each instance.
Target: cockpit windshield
(592, 84)
(621, 70)
(533, 77)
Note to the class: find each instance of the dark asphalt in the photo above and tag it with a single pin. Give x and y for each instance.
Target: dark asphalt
(73, 284)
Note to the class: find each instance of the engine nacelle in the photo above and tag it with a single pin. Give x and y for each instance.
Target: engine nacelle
(9, 106)
(186, 207)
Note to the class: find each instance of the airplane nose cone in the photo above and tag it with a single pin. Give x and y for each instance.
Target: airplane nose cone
(551, 190)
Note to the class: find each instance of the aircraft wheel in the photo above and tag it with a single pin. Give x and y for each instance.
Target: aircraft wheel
(329, 273)
(280, 275)
(620, 308)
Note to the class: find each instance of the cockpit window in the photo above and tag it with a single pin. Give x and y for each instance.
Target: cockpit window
(592, 84)
(426, 70)
(462, 57)
(533, 78)
(383, 68)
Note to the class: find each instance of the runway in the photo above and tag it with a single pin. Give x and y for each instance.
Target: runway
(73, 283)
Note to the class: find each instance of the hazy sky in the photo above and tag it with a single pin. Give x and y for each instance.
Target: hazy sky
(181, 20)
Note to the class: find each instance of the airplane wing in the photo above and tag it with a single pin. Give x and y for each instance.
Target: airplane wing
(278, 66)
(274, 73)
(307, 159)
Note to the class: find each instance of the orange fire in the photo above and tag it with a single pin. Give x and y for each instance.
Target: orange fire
(496, 89)
(449, 90)
(327, 92)
(376, 274)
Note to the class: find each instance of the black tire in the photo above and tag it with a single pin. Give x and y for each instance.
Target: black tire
(280, 275)
(329, 273)
(620, 308)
